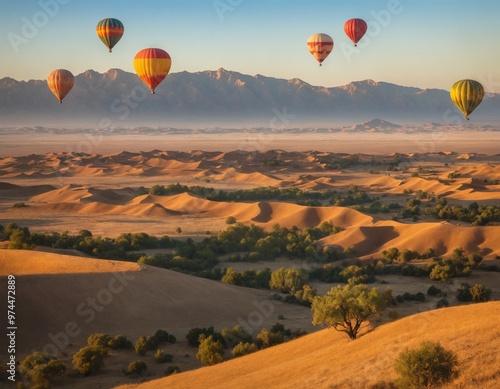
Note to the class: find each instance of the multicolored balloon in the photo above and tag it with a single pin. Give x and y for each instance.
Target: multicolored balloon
(152, 66)
(355, 29)
(110, 31)
(60, 82)
(467, 95)
(320, 46)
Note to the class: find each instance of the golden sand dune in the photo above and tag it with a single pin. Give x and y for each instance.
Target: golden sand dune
(385, 182)
(327, 359)
(441, 236)
(232, 174)
(120, 297)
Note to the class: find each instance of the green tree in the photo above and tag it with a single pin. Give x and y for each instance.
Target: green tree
(41, 369)
(210, 351)
(428, 366)
(89, 359)
(346, 308)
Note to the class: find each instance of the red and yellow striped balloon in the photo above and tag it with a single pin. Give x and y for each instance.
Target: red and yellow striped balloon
(152, 66)
(320, 46)
(355, 29)
(60, 82)
(110, 31)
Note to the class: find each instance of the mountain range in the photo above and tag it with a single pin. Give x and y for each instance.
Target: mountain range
(222, 97)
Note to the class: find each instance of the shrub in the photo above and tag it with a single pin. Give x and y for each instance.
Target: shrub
(479, 293)
(428, 366)
(463, 293)
(433, 291)
(120, 341)
(42, 369)
(99, 340)
(210, 351)
(243, 349)
(141, 345)
(136, 367)
(193, 335)
(230, 220)
(89, 359)
(269, 339)
(161, 357)
(172, 370)
(442, 303)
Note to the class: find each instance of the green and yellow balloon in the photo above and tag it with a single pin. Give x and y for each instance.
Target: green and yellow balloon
(467, 95)
(110, 32)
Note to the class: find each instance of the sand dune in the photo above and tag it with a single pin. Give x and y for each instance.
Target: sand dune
(441, 236)
(327, 359)
(131, 299)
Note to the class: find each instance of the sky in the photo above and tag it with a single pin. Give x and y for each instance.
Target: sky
(421, 43)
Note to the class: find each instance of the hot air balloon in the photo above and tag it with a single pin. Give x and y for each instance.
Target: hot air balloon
(320, 46)
(467, 95)
(60, 82)
(110, 31)
(355, 29)
(152, 66)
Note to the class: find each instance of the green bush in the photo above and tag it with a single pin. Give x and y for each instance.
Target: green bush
(42, 369)
(433, 291)
(172, 370)
(136, 368)
(120, 341)
(210, 351)
(161, 357)
(428, 366)
(89, 359)
(479, 293)
(243, 349)
(99, 340)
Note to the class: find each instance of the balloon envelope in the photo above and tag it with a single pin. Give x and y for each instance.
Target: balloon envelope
(110, 32)
(355, 29)
(320, 46)
(152, 66)
(467, 95)
(60, 82)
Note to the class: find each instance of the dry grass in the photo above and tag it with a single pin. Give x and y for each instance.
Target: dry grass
(327, 359)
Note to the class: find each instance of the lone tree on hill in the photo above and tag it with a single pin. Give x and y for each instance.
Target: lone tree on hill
(346, 308)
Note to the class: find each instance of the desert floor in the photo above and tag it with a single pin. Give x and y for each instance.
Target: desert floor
(72, 182)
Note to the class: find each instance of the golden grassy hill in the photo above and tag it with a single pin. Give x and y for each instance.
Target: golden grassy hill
(328, 359)
(125, 298)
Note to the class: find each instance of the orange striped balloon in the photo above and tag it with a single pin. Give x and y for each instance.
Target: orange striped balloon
(320, 46)
(152, 66)
(60, 82)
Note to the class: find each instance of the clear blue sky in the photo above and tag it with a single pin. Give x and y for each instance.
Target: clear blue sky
(423, 43)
